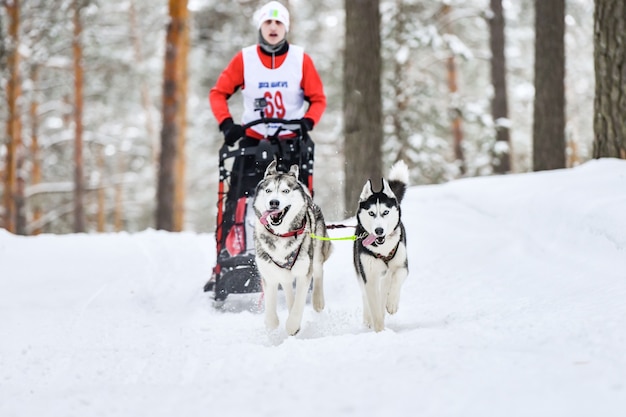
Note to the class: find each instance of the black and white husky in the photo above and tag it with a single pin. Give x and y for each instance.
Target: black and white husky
(380, 256)
(286, 250)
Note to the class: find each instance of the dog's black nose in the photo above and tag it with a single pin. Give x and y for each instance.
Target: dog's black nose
(274, 204)
(379, 231)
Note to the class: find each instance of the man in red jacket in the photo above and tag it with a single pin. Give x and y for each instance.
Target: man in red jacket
(273, 69)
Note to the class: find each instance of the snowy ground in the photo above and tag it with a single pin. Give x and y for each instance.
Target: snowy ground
(515, 306)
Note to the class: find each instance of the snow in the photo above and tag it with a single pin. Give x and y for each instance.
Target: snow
(514, 306)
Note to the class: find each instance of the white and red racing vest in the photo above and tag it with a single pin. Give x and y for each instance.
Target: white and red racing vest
(280, 87)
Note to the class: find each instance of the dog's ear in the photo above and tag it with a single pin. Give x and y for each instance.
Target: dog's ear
(271, 169)
(294, 170)
(387, 189)
(367, 191)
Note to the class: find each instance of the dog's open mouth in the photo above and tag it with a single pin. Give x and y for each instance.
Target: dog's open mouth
(274, 217)
(373, 238)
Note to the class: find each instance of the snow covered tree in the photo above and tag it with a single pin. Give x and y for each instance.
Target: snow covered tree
(609, 120)
(499, 102)
(114, 115)
(422, 113)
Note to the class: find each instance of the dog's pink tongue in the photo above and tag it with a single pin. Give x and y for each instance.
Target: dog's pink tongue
(265, 215)
(369, 240)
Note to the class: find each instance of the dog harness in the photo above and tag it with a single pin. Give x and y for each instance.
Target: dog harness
(290, 233)
(390, 256)
(291, 259)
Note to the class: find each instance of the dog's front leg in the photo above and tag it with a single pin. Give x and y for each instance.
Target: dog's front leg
(318, 288)
(295, 314)
(374, 301)
(270, 293)
(386, 286)
(367, 315)
(288, 290)
(396, 278)
(371, 273)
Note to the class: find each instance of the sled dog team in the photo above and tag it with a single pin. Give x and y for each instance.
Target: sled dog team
(292, 245)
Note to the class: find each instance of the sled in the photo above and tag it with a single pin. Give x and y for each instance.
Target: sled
(240, 170)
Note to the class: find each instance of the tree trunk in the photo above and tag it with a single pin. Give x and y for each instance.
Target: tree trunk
(362, 104)
(455, 112)
(79, 182)
(35, 151)
(118, 210)
(549, 109)
(101, 193)
(171, 131)
(181, 120)
(609, 122)
(14, 125)
(499, 105)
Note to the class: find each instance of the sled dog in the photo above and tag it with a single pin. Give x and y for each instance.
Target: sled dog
(380, 256)
(286, 251)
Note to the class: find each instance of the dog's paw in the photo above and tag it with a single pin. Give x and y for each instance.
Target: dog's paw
(379, 327)
(393, 303)
(392, 307)
(318, 303)
(271, 322)
(377, 321)
(292, 328)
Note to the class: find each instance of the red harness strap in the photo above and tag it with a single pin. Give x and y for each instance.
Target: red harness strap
(290, 233)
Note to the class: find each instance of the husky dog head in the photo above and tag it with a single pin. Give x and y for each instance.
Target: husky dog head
(378, 212)
(279, 196)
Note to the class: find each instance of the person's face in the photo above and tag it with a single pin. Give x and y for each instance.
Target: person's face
(273, 31)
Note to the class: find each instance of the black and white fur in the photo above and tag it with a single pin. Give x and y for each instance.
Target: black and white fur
(285, 250)
(380, 255)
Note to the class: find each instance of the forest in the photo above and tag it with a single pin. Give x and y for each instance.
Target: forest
(104, 103)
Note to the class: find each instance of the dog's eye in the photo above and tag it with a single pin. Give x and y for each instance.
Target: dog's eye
(386, 212)
(268, 190)
(371, 213)
(286, 191)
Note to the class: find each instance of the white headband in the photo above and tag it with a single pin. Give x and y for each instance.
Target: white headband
(272, 11)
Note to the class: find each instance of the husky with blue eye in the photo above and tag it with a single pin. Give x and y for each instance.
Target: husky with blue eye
(380, 256)
(291, 245)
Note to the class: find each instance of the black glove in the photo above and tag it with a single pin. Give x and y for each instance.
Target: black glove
(232, 131)
(308, 124)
